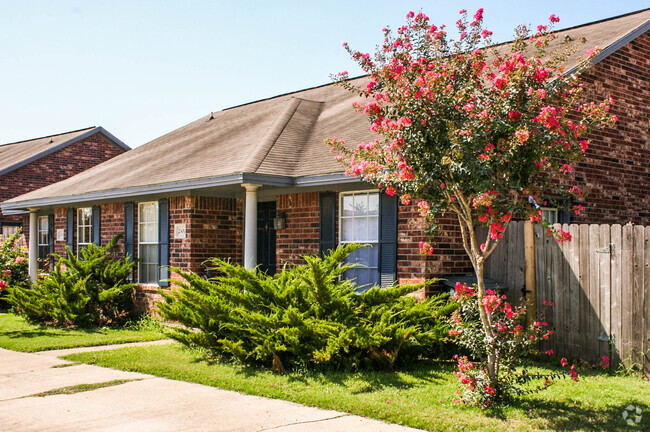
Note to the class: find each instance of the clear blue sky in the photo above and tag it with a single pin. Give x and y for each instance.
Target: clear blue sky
(144, 68)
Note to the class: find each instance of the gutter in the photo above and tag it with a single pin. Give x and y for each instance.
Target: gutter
(22, 207)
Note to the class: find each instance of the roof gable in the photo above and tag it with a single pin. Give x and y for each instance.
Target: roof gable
(18, 154)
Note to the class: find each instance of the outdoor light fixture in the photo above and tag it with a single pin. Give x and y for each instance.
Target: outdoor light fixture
(279, 222)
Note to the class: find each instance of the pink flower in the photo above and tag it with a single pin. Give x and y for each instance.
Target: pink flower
(564, 361)
(390, 191)
(522, 136)
(19, 259)
(425, 248)
(554, 18)
(604, 363)
(491, 302)
(463, 291)
(549, 352)
(7, 271)
(3, 285)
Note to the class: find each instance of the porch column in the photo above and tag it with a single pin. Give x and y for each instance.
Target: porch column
(33, 246)
(250, 226)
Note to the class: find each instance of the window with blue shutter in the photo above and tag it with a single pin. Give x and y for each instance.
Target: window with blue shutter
(129, 233)
(69, 228)
(50, 229)
(327, 222)
(96, 225)
(370, 218)
(163, 245)
(387, 239)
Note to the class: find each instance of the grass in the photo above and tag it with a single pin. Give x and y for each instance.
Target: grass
(422, 397)
(18, 335)
(79, 388)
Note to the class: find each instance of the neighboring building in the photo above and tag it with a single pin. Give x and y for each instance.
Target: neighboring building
(32, 164)
(256, 184)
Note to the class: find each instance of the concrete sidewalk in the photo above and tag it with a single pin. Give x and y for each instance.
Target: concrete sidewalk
(148, 404)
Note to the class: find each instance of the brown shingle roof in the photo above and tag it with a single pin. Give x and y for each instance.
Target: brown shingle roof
(280, 136)
(14, 155)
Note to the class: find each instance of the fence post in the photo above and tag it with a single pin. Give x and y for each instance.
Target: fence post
(529, 269)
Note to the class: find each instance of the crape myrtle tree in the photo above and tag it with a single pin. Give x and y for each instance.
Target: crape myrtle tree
(482, 131)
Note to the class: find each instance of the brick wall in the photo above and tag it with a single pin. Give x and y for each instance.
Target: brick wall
(301, 234)
(214, 229)
(60, 218)
(616, 170)
(55, 167)
(449, 257)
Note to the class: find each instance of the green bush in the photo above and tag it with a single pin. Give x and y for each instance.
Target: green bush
(13, 266)
(305, 316)
(85, 291)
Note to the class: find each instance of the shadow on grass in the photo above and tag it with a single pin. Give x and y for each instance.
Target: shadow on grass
(357, 381)
(561, 415)
(53, 332)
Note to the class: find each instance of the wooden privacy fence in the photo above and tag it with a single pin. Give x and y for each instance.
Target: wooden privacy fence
(599, 283)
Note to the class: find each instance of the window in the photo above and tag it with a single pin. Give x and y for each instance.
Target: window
(9, 230)
(84, 228)
(148, 243)
(43, 241)
(359, 223)
(549, 214)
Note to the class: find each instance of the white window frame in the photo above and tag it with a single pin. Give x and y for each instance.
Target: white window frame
(141, 242)
(46, 232)
(374, 243)
(83, 242)
(546, 211)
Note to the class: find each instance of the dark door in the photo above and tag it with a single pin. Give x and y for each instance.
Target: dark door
(266, 237)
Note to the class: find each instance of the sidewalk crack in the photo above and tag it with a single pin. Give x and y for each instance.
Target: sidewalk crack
(304, 422)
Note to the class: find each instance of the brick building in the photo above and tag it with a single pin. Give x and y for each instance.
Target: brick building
(256, 184)
(32, 164)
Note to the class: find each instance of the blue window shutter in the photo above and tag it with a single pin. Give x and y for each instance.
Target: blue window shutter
(129, 234)
(327, 223)
(69, 228)
(97, 220)
(387, 239)
(163, 242)
(50, 233)
(129, 231)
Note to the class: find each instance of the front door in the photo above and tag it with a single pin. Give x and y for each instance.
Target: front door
(266, 237)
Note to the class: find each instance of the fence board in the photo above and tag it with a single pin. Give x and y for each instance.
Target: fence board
(511, 263)
(636, 345)
(646, 301)
(617, 279)
(624, 302)
(604, 266)
(540, 289)
(593, 294)
(574, 290)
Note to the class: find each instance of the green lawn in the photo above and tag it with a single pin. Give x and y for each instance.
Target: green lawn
(422, 397)
(18, 335)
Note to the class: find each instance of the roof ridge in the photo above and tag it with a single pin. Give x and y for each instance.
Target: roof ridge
(49, 136)
(602, 20)
(308, 137)
(291, 93)
(256, 158)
